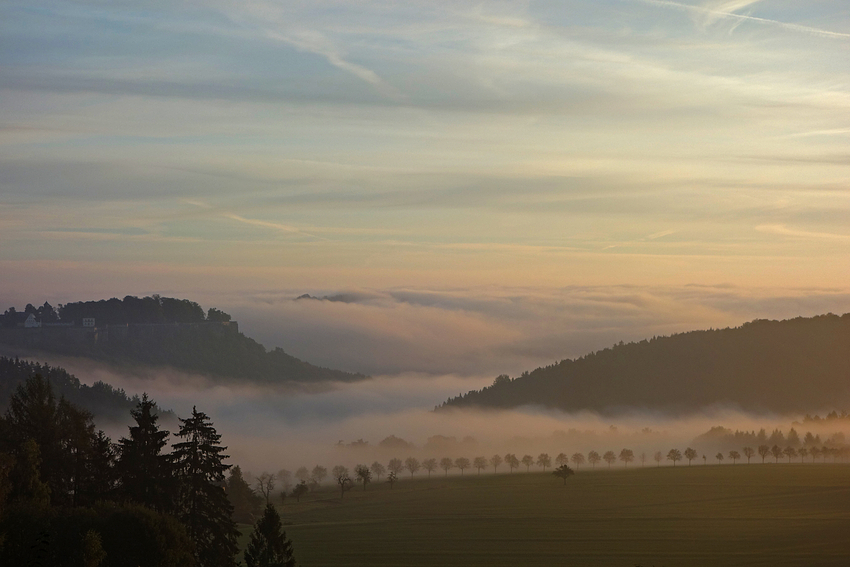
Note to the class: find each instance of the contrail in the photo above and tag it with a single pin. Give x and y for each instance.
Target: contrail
(740, 17)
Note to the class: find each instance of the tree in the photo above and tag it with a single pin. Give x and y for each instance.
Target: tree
(284, 477)
(814, 452)
(577, 459)
(593, 458)
(392, 478)
(527, 460)
(396, 466)
(512, 461)
(446, 464)
(429, 465)
(318, 474)
(412, 465)
(609, 457)
(544, 461)
(690, 454)
(145, 472)
(643, 459)
(627, 456)
(269, 546)
(748, 452)
(299, 490)
(202, 504)
(562, 459)
(265, 484)
(564, 472)
(764, 451)
(479, 463)
(657, 457)
(776, 451)
(674, 455)
(246, 504)
(340, 475)
(302, 474)
(378, 470)
(462, 463)
(734, 455)
(495, 460)
(363, 473)
(789, 452)
(719, 457)
(802, 452)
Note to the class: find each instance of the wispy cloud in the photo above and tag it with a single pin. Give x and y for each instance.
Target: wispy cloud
(783, 230)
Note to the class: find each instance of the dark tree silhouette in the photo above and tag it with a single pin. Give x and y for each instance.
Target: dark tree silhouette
(246, 504)
(265, 485)
(564, 472)
(392, 478)
(527, 460)
(412, 465)
(396, 466)
(776, 451)
(593, 458)
(764, 451)
(269, 546)
(340, 475)
(146, 473)
(690, 454)
(512, 461)
(462, 463)
(479, 463)
(802, 452)
(495, 460)
(658, 458)
(719, 457)
(378, 470)
(430, 465)
(318, 474)
(734, 455)
(610, 458)
(749, 453)
(299, 490)
(544, 461)
(789, 452)
(363, 474)
(446, 464)
(674, 455)
(627, 456)
(577, 459)
(562, 459)
(202, 504)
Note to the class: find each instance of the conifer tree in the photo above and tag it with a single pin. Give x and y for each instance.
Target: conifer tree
(269, 546)
(145, 471)
(203, 506)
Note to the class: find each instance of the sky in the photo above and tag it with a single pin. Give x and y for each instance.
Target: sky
(479, 187)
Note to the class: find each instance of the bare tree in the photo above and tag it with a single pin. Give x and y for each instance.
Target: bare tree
(396, 466)
(462, 463)
(430, 465)
(479, 463)
(674, 455)
(495, 460)
(719, 457)
(748, 452)
(378, 470)
(627, 456)
(562, 459)
(363, 474)
(643, 459)
(340, 475)
(543, 460)
(690, 454)
(412, 465)
(265, 485)
(764, 451)
(446, 464)
(776, 451)
(593, 458)
(564, 472)
(577, 459)
(734, 455)
(658, 457)
(609, 457)
(527, 460)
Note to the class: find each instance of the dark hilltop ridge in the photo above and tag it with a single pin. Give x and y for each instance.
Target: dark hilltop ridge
(156, 331)
(793, 366)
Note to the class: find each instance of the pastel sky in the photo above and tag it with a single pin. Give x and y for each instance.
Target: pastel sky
(496, 185)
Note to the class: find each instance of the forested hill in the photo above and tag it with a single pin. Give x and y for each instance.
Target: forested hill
(101, 399)
(156, 331)
(798, 365)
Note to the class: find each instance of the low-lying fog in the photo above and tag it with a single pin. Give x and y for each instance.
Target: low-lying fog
(267, 429)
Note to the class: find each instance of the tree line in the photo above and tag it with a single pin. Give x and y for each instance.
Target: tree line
(70, 496)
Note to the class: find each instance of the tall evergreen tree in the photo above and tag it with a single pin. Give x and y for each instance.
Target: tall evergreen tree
(269, 546)
(246, 503)
(145, 471)
(203, 506)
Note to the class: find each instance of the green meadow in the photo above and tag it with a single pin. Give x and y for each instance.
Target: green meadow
(758, 514)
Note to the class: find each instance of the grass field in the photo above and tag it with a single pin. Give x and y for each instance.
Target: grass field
(699, 515)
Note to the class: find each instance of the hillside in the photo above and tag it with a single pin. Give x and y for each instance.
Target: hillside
(798, 365)
(157, 331)
(102, 400)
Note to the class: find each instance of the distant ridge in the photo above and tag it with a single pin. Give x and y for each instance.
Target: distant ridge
(797, 365)
(157, 331)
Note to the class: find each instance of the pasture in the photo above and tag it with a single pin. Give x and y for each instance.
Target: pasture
(758, 514)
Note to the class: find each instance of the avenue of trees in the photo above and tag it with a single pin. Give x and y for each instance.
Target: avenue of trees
(70, 496)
